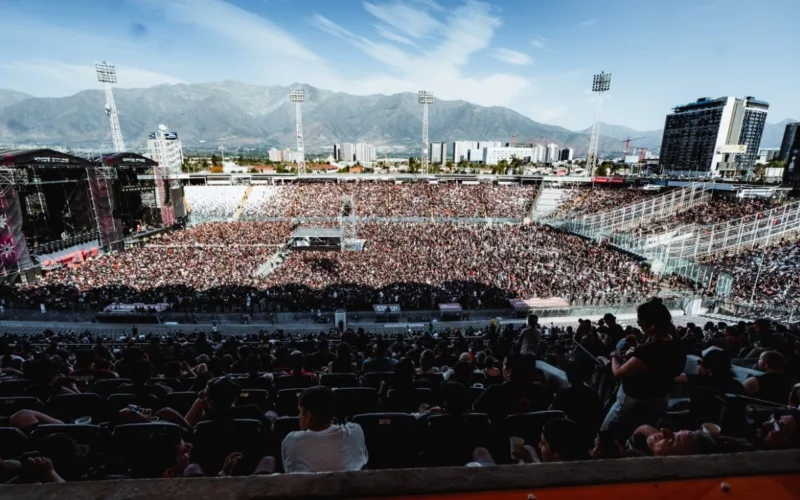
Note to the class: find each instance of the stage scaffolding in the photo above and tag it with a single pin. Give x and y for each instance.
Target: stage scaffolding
(101, 188)
(163, 187)
(604, 224)
(347, 223)
(14, 255)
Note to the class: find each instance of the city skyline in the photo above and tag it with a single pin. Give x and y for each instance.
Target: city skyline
(485, 53)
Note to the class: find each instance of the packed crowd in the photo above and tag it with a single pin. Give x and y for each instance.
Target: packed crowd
(777, 269)
(719, 209)
(209, 404)
(385, 199)
(586, 199)
(213, 203)
(414, 264)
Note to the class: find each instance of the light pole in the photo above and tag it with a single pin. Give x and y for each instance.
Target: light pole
(601, 83)
(298, 97)
(107, 74)
(425, 98)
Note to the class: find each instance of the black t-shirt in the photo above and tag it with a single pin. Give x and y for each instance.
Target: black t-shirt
(704, 406)
(774, 387)
(665, 360)
(512, 397)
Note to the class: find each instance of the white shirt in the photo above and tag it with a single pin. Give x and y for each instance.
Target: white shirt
(337, 448)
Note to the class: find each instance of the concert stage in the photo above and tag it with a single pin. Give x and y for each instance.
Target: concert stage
(324, 239)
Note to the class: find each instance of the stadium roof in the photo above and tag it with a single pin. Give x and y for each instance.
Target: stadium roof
(41, 158)
(317, 232)
(126, 160)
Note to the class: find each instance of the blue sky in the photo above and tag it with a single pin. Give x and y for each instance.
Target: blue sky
(536, 57)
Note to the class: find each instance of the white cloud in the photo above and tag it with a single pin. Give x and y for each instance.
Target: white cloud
(512, 57)
(463, 31)
(391, 35)
(539, 42)
(588, 22)
(76, 77)
(405, 18)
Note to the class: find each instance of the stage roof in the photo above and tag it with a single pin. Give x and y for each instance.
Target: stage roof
(40, 158)
(126, 160)
(317, 232)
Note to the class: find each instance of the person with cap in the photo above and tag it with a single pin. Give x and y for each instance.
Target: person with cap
(714, 377)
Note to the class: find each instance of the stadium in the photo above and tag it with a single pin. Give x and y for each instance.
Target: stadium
(228, 325)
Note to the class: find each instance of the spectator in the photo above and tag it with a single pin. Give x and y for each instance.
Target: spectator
(714, 377)
(579, 401)
(647, 376)
(343, 362)
(774, 385)
(518, 394)
(531, 336)
(321, 446)
(379, 362)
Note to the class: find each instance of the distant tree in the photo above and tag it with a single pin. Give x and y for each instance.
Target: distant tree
(601, 170)
(216, 160)
(204, 164)
(463, 163)
(516, 162)
(253, 170)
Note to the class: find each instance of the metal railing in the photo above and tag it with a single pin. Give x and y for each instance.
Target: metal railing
(739, 234)
(657, 207)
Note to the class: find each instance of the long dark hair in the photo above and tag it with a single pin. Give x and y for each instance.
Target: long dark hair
(654, 316)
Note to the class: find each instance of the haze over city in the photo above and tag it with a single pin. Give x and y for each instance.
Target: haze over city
(534, 57)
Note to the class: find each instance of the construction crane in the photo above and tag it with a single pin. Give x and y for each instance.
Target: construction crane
(642, 154)
(628, 144)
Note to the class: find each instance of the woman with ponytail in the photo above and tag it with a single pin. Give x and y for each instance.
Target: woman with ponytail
(647, 373)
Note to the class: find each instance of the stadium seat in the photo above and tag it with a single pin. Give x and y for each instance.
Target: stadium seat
(450, 439)
(286, 405)
(133, 442)
(89, 435)
(17, 387)
(392, 439)
(374, 379)
(257, 397)
(173, 383)
(336, 380)
(474, 393)
(11, 405)
(68, 407)
(436, 379)
(294, 382)
(355, 400)
(105, 388)
(117, 402)
(181, 401)
(215, 440)
(528, 426)
(13, 442)
(409, 403)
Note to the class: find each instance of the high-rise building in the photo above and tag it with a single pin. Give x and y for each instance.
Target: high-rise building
(566, 154)
(553, 153)
(715, 136)
(438, 152)
(461, 150)
(490, 144)
(364, 153)
(791, 173)
(347, 152)
(789, 136)
(336, 151)
(539, 154)
(492, 156)
(165, 148)
(275, 155)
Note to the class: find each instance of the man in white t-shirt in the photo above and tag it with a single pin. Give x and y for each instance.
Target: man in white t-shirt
(321, 446)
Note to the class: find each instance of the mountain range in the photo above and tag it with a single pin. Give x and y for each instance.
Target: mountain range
(241, 115)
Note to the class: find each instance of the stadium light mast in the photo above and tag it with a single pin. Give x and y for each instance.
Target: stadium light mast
(601, 83)
(425, 98)
(107, 74)
(298, 97)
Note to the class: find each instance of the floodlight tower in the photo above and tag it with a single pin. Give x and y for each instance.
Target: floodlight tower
(107, 74)
(298, 97)
(425, 98)
(601, 83)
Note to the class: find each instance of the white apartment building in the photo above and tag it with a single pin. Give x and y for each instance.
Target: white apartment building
(438, 152)
(347, 152)
(493, 156)
(275, 155)
(364, 153)
(461, 150)
(490, 144)
(539, 154)
(553, 153)
(165, 148)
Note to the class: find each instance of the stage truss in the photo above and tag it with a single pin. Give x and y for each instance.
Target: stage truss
(347, 223)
